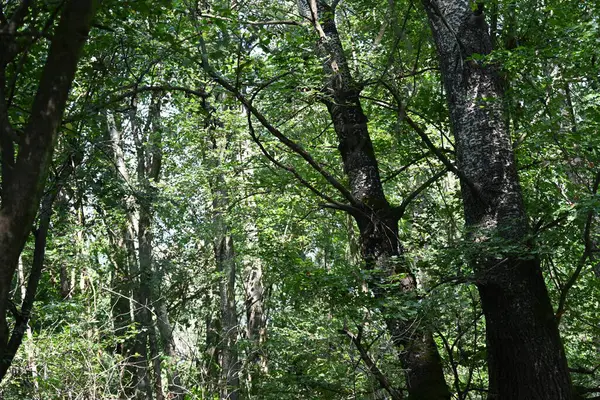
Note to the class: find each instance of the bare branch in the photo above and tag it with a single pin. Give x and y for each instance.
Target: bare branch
(401, 209)
(295, 147)
(587, 253)
(253, 23)
(370, 363)
(331, 202)
(405, 167)
(441, 156)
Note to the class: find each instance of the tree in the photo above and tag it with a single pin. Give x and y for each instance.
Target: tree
(526, 359)
(377, 220)
(302, 245)
(24, 175)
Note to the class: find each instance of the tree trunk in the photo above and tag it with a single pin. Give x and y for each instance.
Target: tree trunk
(136, 350)
(255, 329)
(229, 355)
(121, 307)
(526, 359)
(213, 340)
(29, 346)
(165, 329)
(23, 177)
(378, 225)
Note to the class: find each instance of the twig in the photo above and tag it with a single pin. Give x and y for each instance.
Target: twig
(401, 209)
(370, 363)
(295, 147)
(254, 23)
(589, 247)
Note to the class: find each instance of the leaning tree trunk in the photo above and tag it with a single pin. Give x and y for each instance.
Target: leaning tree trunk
(24, 175)
(376, 219)
(526, 359)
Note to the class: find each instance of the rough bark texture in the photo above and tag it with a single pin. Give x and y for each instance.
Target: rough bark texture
(376, 220)
(23, 177)
(526, 359)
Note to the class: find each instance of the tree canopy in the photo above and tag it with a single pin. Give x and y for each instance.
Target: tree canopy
(311, 199)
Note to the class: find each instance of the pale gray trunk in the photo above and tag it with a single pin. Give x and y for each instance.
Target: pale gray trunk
(225, 262)
(29, 345)
(229, 325)
(226, 266)
(255, 330)
(148, 143)
(138, 351)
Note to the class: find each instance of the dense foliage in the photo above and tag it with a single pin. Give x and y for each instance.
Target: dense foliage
(200, 246)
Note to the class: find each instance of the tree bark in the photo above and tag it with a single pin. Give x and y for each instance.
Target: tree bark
(129, 297)
(23, 178)
(526, 359)
(377, 222)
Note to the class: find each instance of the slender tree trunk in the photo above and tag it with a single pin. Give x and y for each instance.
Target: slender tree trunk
(213, 340)
(378, 225)
(29, 347)
(226, 265)
(148, 143)
(526, 359)
(229, 325)
(165, 329)
(121, 307)
(147, 334)
(255, 329)
(136, 230)
(155, 357)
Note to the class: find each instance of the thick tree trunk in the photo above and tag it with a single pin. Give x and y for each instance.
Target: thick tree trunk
(526, 359)
(378, 225)
(23, 178)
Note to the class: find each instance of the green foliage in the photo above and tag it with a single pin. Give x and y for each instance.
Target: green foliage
(314, 281)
